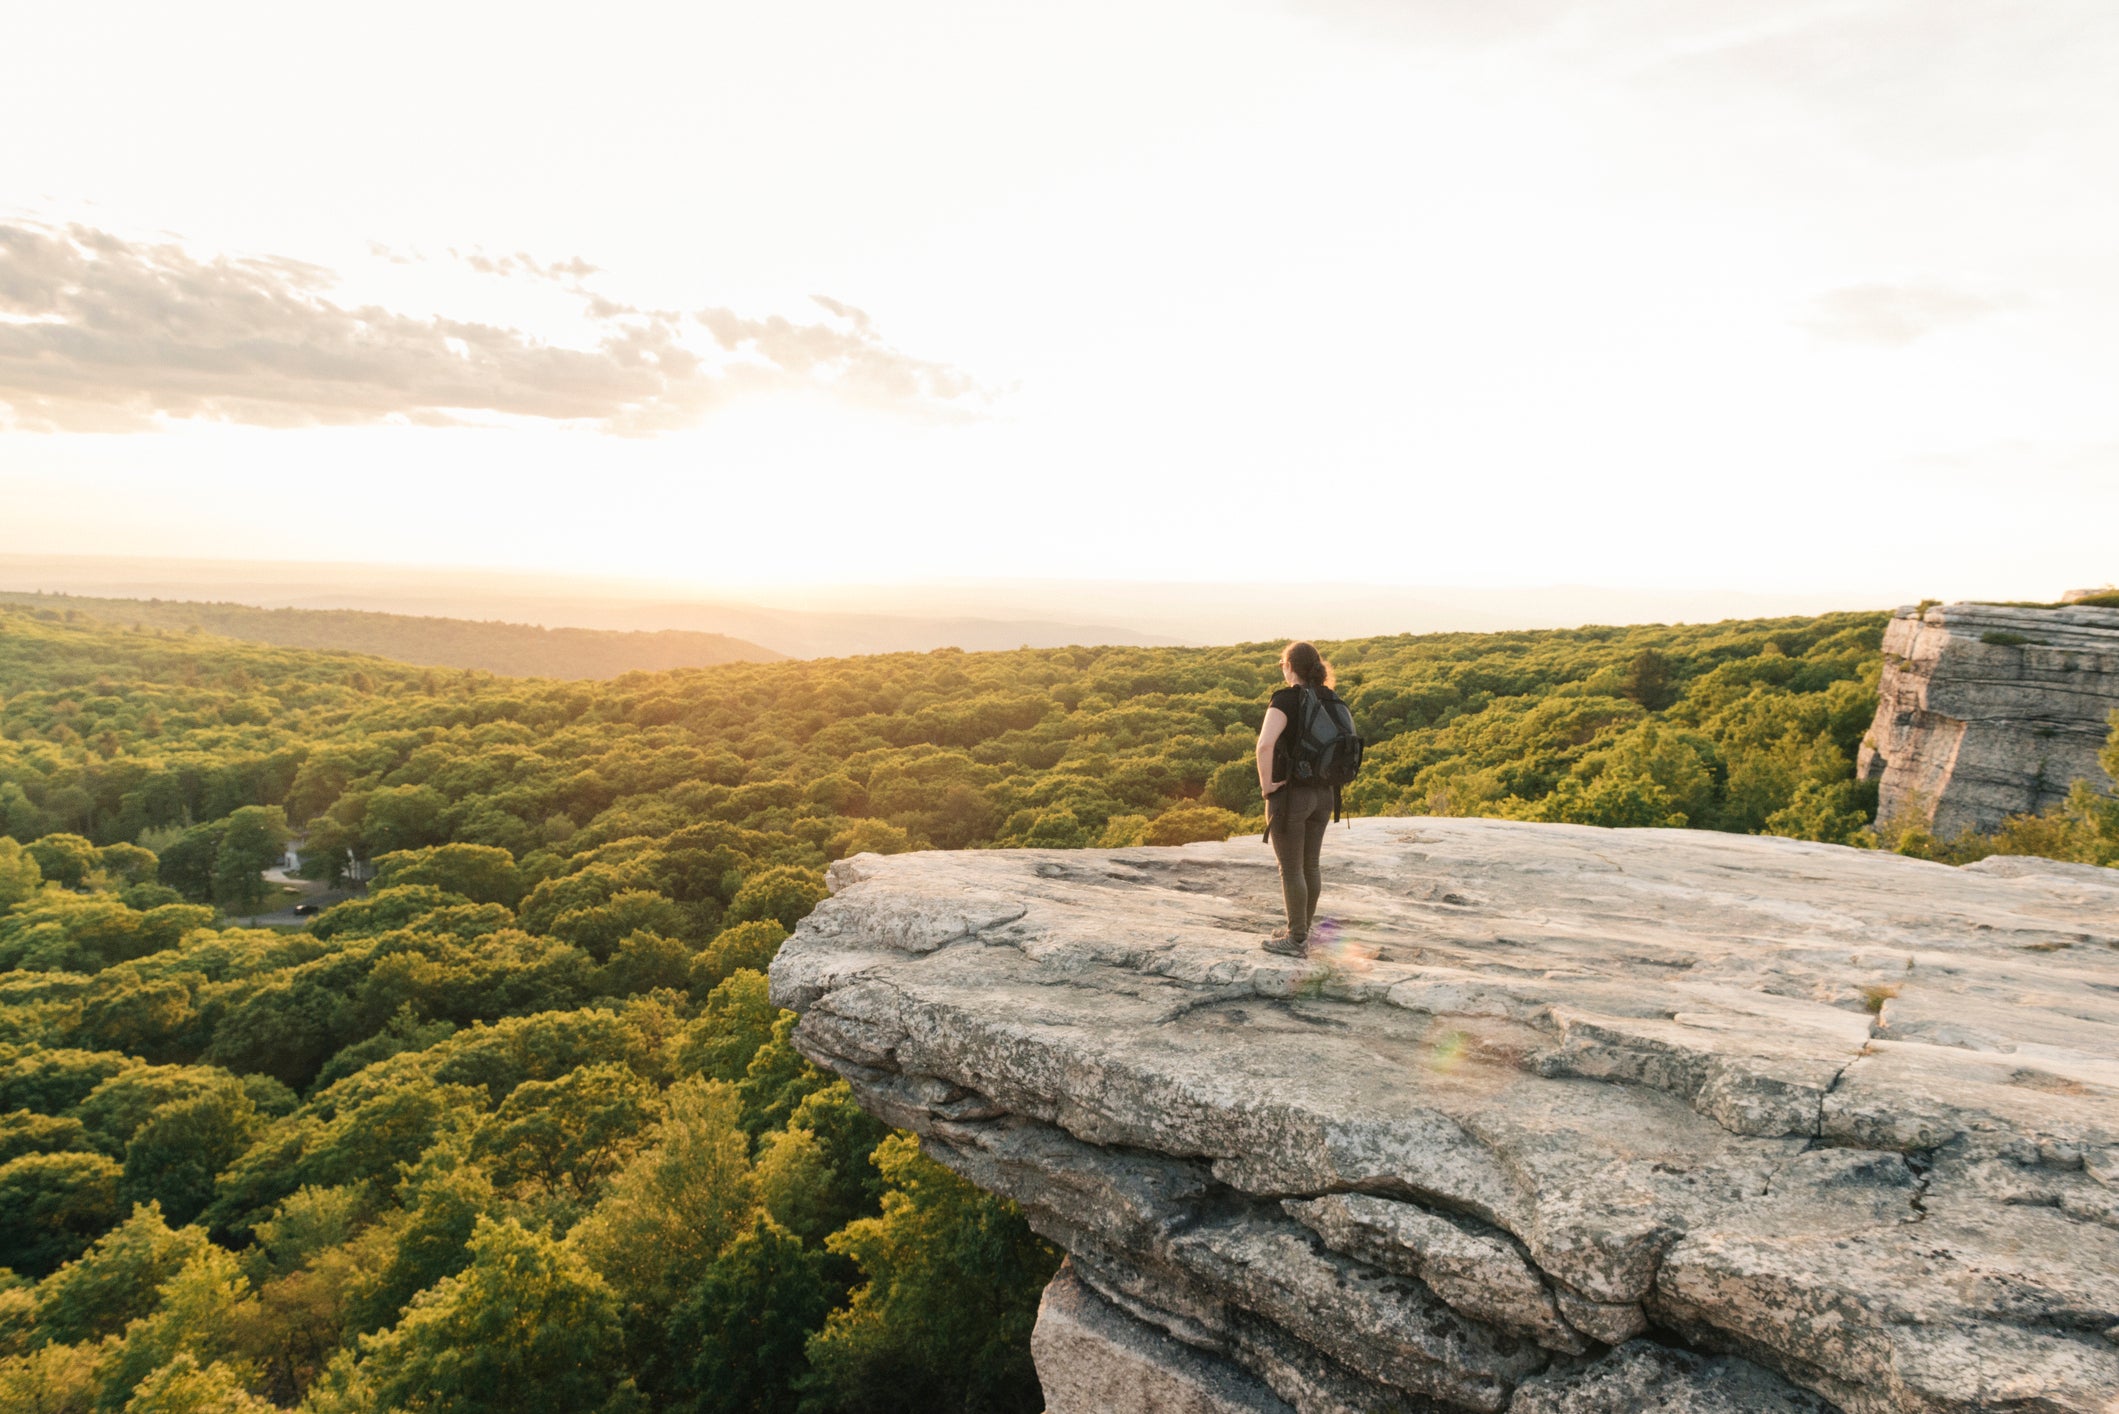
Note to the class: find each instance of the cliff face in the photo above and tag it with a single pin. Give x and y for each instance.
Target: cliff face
(1988, 712)
(1560, 1119)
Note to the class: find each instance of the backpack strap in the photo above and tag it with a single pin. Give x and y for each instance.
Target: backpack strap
(1336, 787)
(1267, 836)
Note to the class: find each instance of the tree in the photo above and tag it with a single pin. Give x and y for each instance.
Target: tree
(65, 932)
(818, 1174)
(175, 1156)
(309, 1222)
(645, 961)
(378, 1127)
(254, 840)
(383, 911)
(183, 1386)
(309, 1261)
(1186, 823)
(186, 863)
(870, 837)
(118, 1280)
(1648, 681)
(66, 860)
(1053, 829)
(197, 1317)
(448, 1197)
(737, 1020)
(19, 817)
(527, 1325)
(328, 850)
(782, 894)
(600, 927)
(1821, 810)
(125, 1011)
(480, 873)
(1123, 832)
(1653, 775)
(52, 1206)
(1233, 786)
(777, 1080)
(145, 898)
(115, 1109)
(127, 864)
(744, 945)
(943, 1320)
(748, 1320)
(793, 1173)
(51, 1379)
(676, 1204)
(400, 818)
(51, 1082)
(20, 874)
(568, 1133)
(403, 1032)
(22, 1132)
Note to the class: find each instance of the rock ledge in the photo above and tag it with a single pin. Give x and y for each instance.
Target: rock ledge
(1989, 710)
(1558, 1118)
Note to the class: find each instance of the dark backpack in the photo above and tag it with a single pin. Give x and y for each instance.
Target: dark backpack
(1323, 747)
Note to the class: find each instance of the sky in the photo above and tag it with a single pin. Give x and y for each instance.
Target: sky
(1687, 294)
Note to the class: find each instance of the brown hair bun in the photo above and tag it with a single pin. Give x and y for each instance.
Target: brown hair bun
(1306, 663)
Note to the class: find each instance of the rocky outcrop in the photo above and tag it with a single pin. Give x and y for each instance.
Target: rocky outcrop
(1555, 1119)
(1988, 711)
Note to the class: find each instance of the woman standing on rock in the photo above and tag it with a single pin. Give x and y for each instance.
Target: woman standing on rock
(1304, 735)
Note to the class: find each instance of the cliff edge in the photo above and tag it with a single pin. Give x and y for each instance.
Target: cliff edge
(1559, 1119)
(1988, 711)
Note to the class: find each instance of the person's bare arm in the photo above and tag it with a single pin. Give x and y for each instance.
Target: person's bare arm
(1276, 722)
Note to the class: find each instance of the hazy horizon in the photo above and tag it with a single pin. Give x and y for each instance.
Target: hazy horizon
(836, 620)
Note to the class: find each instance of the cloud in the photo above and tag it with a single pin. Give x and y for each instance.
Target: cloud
(846, 352)
(98, 332)
(1893, 316)
(570, 272)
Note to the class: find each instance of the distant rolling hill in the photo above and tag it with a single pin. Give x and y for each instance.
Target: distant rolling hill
(516, 650)
(847, 626)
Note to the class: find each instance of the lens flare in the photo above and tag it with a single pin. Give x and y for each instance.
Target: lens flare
(1330, 945)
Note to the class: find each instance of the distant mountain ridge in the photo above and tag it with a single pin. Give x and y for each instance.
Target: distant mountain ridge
(838, 620)
(837, 630)
(494, 646)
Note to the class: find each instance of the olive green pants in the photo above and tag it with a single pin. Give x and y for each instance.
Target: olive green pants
(1296, 819)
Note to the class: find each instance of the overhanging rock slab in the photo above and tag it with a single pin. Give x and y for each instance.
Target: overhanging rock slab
(1555, 1118)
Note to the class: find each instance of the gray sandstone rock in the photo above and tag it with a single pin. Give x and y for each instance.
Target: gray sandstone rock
(1832, 1128)
(1640, 1378)
(1988, 711)
(1480, 1274)
(1092, 1358)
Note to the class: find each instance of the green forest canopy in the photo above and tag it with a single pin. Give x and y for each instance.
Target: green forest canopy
(521, 1118)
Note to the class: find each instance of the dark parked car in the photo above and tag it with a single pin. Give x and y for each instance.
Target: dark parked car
(303, 910)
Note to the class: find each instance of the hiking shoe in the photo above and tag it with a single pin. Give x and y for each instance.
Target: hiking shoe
(1286, 946)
